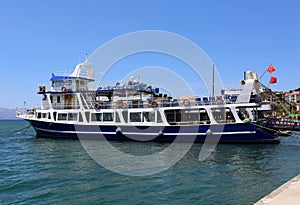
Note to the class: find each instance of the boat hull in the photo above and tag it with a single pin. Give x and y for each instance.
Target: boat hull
(226, 133)
(283, 124)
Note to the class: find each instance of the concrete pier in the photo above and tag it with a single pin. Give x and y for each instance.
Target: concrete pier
(288, 193)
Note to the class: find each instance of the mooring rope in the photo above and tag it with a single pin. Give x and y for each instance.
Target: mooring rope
(267, 128)
(19, 130)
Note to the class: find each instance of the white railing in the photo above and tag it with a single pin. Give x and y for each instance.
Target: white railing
(63, 73)
(65, 106)
(82, 73)
(42, 89)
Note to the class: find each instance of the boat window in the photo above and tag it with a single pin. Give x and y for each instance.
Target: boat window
(87, 116)
(187, 116)
(83, 85)
(68, 83)
(117, 117)
(80, 117)
(54, 115)
(222, 115)
(108, 117)
(125, 116)
(57, 83)
(159, 119)
(58, 99)
(49, 116)
(229, 116)
(96, 117)
(62, 116)
(135, 117)
(204, 118)
(149, 116)
(173, 116)
(44, 115)
(72, 116)
(51, 98)
(243, 112)
(190, 115)
(39, 115)
(255, 114)
(77, 85)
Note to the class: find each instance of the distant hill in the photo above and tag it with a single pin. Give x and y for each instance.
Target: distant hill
(297, 89)
(7, 113)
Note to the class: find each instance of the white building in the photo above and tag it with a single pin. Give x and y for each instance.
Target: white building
(293, 96)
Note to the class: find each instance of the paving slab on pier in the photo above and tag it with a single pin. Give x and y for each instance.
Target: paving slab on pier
(288, 193)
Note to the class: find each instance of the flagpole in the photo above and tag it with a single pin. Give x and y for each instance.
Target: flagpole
(265, 72)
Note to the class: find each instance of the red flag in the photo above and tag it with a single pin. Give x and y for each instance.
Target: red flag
(271, 69)
(273, 80)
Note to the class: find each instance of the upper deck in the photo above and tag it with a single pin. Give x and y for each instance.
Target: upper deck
(73, 81)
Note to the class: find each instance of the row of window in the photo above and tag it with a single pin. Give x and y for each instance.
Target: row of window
(67, 116)
(105, 117)
(147, 116)
(44, 115)
(220, 115)
(61, 83)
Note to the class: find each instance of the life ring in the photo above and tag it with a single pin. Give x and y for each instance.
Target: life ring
(219, 100)
(124, 104)
(96, 106)
(63, 89)
(154, 104)
(42, 89)
(186, 102)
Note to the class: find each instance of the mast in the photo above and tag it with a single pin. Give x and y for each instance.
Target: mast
(213, 81)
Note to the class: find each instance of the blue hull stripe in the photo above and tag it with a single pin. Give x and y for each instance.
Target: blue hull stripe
(138, 133)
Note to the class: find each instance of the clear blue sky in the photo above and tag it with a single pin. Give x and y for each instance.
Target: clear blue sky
(39, 37)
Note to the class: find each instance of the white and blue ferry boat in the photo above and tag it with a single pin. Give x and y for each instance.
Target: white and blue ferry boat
(136, 111)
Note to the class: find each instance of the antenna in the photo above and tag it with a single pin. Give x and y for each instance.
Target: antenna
(86, 58)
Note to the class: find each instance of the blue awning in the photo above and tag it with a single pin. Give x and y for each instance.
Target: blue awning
(59, 78)
(53, 78)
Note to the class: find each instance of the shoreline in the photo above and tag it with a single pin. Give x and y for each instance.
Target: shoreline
(288, 193)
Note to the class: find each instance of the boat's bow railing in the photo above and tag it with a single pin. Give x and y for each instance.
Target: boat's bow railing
(25, 113)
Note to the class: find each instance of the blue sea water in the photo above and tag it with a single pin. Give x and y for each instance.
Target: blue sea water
(51, 171)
